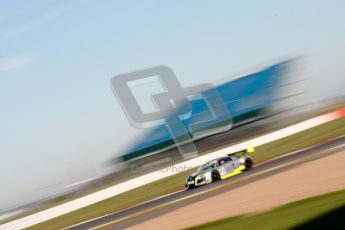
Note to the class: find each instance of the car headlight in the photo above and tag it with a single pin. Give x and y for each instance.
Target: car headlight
(202, 176)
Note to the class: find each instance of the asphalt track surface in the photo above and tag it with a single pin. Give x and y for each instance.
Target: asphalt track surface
(120, 220)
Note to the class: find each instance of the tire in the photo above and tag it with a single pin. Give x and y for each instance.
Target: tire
(189, 187)
(248, 163)
(215, 176)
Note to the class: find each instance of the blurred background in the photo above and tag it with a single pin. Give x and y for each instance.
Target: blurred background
(61, 127)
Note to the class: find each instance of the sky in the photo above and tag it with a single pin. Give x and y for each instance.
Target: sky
(59, 120)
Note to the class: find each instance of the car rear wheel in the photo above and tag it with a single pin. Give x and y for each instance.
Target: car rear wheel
(248, 163)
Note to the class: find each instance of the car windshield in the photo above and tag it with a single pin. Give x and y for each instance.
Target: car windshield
(207, 166)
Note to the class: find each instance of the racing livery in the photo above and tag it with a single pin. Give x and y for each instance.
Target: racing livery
(220, 168)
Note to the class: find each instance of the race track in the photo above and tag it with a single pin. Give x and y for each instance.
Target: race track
(158, 207)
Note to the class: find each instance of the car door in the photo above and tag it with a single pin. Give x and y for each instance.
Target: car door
(228, 165)
(235, 162)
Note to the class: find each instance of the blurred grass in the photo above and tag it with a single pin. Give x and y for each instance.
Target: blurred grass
(174, 183)
(300, 140)
(300, 213)
(105, 184)
(135, 196)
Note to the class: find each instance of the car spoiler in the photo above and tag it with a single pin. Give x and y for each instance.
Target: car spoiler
(239, 153)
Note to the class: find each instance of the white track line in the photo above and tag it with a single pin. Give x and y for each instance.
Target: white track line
(107, 193)
(99, 217)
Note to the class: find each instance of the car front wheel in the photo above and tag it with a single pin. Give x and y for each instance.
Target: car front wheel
(215, 176)
(191, 186)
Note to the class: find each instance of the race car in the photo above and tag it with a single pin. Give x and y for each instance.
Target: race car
(221, 168)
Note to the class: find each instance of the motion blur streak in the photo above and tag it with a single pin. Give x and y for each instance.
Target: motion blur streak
(245, 98)
(154, 176)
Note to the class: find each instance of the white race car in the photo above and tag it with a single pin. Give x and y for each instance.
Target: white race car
(220, 168)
